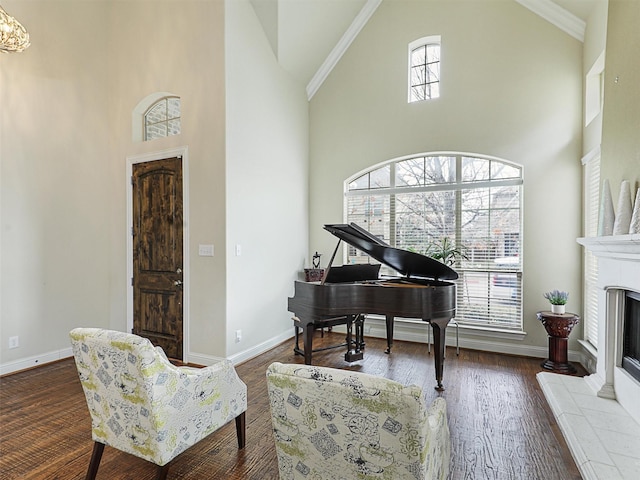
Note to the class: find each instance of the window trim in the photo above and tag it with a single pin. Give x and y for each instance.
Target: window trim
(421, 42)
(458, 186)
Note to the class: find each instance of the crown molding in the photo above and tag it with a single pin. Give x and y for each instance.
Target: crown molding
(336, 54)
(558, 16)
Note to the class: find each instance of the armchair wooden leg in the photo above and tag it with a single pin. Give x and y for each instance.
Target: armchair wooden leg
(162, 471)
(96, 456)
(241, 430)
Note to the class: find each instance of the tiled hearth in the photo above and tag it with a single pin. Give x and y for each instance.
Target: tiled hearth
(603, 438)
(599, 415)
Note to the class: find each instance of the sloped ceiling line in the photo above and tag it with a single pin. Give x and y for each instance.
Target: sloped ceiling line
(341, 47)
(546, 9)
(267, 12)
(558, 16)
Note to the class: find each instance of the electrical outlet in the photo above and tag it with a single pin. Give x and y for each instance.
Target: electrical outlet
(238, 336)
(14, 342)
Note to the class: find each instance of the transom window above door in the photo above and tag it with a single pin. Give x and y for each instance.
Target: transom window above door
(162, 119)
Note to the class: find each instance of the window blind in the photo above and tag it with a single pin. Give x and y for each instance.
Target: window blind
(591, 205)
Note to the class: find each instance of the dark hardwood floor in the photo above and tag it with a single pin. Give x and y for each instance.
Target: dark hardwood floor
(501, 426)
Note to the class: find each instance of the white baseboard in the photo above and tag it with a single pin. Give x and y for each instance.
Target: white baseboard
(203, 359)
(35, 361)
(417, 332)
(407, 331)
(195, 358)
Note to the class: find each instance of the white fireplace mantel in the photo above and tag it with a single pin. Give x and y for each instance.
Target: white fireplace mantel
(623, 247)
(599, 415)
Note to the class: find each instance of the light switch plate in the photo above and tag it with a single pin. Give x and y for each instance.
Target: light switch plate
(205, 250)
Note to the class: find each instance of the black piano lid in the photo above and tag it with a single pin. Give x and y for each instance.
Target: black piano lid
(409, 264)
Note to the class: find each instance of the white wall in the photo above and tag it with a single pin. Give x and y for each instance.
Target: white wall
(621, 116)
(159, 50)
(595, 39)
(266, 182)
(66, 131)
(54, 159)
(511, 87)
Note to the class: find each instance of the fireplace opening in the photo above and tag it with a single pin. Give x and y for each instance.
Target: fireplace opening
(631, 332)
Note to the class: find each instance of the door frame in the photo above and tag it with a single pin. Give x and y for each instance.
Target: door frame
(183, 153)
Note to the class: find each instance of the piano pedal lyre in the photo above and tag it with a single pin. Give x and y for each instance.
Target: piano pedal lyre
(354, 343)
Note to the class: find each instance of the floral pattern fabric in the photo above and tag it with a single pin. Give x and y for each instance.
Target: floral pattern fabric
(142, 404)
(343, 425)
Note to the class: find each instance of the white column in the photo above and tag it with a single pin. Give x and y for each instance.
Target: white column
(613, 314)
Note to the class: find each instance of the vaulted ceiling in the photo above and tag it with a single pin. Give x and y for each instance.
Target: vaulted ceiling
(309, 36)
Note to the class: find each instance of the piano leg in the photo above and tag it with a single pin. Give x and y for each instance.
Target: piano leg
(389, 322)
(439, 326)
(307, 338)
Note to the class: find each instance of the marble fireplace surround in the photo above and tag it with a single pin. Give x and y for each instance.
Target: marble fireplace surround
(599, 415)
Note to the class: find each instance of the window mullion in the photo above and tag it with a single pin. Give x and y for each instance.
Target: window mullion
(392, 206)
(458, 193)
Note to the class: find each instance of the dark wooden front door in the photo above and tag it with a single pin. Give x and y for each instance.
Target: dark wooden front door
(157, 253)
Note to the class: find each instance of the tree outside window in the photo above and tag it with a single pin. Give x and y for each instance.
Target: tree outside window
(472, 204)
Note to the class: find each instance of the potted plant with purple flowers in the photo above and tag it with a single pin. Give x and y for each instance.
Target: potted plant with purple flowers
(558, 300)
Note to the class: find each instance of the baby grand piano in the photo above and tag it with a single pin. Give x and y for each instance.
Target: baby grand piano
(345, 295)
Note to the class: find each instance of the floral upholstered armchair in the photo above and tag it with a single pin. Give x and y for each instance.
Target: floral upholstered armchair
(143, 405)
(337, 424)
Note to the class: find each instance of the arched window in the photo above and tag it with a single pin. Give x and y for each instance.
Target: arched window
(424, 69)
(463, 209)
(162, 119)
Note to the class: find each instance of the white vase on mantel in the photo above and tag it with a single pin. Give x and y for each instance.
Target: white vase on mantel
(558, 309)
(623, 218)
(635, 216)
(606, 215)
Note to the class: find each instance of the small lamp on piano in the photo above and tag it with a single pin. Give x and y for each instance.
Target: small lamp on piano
(314, 274)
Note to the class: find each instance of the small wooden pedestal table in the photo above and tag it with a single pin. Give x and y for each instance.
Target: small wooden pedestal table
(558, 326)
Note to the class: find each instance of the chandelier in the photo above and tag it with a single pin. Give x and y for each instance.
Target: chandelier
(13, 36)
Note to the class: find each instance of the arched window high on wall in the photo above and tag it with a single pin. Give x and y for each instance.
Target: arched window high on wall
(424, 69)
(157, 115)
(463, 208)
(162, 119)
